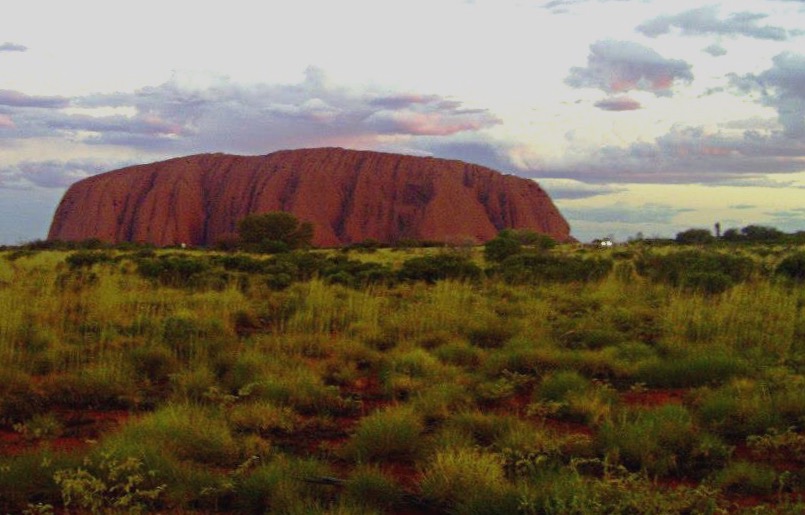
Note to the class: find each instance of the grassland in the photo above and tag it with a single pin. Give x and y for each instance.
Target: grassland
(571, 380)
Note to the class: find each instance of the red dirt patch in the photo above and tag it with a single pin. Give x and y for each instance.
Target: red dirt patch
(80, 429)
(651, 398)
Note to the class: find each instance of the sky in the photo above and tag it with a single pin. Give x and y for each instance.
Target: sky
(639, 117)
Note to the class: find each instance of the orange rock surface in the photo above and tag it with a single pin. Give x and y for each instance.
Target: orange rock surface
(347, 195)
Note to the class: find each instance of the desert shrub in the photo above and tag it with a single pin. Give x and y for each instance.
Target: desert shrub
(154, 364)
(348, 272)
(439, 267)
(86, 258)
(745, 407)
(559, 385)
(388, 434)
(242, 263)
(263, 417)
(501, 247)
(175, 270)
(466, 481)
(369, 487)
(94, 387)
(280, 486)
(691, 371)
(458, 352)
(27, 479)
(541, 268)
(188, 432)
(695, 237)
(746, 478)
(658, 441)
(780, 445)
(274, 232)
(112, 485)
(42, 425)
(491, 333)
(18, 398)
(696, 269)
(618, 491)
(792, 267)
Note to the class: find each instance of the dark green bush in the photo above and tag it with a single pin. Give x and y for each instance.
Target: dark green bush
(792, 267)
(709, 271)
(173, 269)
(86, 258)
(538, 268)
(439, 267)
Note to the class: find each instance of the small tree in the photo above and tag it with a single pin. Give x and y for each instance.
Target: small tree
(274, 232)
(695, 237)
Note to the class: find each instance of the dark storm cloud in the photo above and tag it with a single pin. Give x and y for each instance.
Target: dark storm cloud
(621, 66)
(12, 47)
(13, 98)
(705, 21)
(782, 87)
(618, 104)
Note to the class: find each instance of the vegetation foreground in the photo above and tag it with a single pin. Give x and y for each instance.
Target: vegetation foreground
(522, 379)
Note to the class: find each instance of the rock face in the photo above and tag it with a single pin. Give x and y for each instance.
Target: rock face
(347, 195)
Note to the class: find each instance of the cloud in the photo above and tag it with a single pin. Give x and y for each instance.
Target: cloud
(53, 173)
(18, 99)
(621, 66)
(618, 104)
(782, 87)
(6, 121)
(716, 50)
(685, 155)
(616, 213)
(789, 220)
(573, 189)
(705, 21)
(743, 206)
(12, 47)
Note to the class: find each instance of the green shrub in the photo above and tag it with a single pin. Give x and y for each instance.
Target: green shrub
(280, 486)
(174, 270)
(696, 269)
(745, 478)
(188, 432)
(468, 481)
(86, 258)
(792, 267)
(545, 268)
(558, 386)
(691, 371)
(658, 441)
(370, 488)
(439, 267)
(389, 434)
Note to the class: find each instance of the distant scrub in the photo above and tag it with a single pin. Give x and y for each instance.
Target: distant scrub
(439, 267)
(708, 272)
(538, 268)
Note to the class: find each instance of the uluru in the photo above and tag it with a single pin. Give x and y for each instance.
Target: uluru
(348, 195)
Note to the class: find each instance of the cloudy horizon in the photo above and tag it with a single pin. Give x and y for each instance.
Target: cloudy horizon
(637, 116)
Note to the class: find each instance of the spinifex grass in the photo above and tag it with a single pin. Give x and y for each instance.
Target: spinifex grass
(475, 396)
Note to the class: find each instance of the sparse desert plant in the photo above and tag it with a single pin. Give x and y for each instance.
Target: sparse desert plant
(388, 434)
(369, 487)
(743, 477)
(658, 441)
(792, 267)
(468, 481)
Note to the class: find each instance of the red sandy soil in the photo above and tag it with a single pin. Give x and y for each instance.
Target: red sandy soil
(651, 398)
(80, 429)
